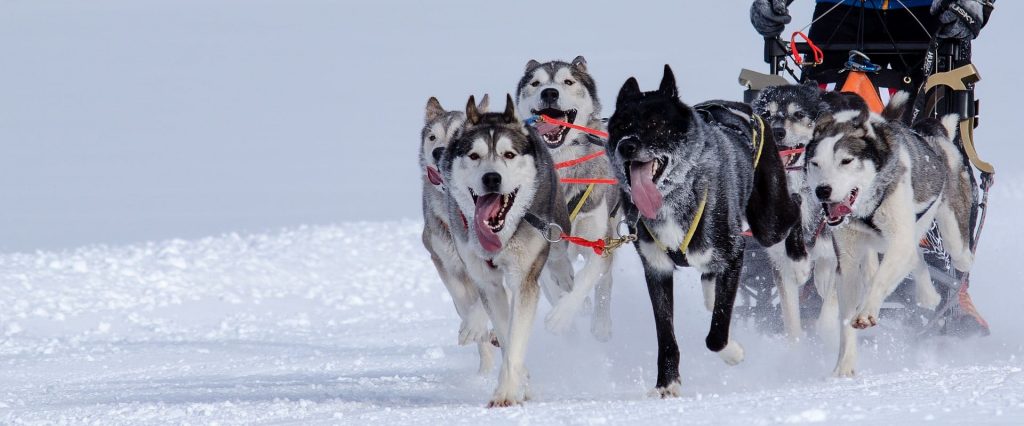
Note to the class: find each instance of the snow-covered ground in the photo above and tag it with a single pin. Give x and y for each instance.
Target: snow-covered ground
(349, 324)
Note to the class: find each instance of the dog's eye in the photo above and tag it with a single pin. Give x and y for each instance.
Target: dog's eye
(569, 82)
(799, 115)
(510, 155)
(814, 164)
(432, 138)
(474, 156)
(846, 161)
(535, 83)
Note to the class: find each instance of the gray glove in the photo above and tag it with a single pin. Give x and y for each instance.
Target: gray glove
(770, 17)
(961, 19)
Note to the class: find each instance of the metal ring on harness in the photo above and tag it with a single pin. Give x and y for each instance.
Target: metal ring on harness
(618, 229)
(546, 232)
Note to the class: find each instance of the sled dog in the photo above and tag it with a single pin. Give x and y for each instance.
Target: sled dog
(881, 184)
(566, 91)
(792, 111)
(501, 181)
(439, 128)
(689, 182)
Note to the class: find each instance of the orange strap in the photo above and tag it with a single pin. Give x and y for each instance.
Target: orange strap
(580, 160)
(589, 181)
(594, 132)
(597, 245)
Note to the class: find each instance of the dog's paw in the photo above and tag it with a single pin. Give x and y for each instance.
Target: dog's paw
(670, 391)
(601, 327)
(559, 320)
(865, 319)
(504, 398)
(732, 353)
(926, 296)
(503, 403)
(474, 328)
(843, 371)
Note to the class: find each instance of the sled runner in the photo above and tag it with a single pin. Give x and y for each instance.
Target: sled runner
(947, 88)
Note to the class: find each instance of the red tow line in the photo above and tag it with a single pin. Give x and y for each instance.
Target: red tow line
(596, 245)
(583, 129)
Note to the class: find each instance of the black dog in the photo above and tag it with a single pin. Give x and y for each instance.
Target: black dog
(689, 182)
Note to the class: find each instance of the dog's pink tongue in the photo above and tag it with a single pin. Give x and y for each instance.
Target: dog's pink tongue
(645, 193)
(837, 211)
(544, 127)
(433, 176)
(487, 206)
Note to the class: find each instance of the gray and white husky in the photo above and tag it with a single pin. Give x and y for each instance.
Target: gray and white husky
(792, 111)
(566, 91)
(501, 179)
(440, 126)
(881, 184)
(689, 183)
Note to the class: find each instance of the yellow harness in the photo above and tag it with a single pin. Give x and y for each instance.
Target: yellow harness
(579, 205)
(757, 139)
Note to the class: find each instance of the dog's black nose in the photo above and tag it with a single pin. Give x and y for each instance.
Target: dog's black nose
(779, 133)
(492, 182)
(824, 192)
(549, 95)
(627, 149)
(437, 153)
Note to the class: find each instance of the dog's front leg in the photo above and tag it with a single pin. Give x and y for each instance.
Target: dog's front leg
(561, 317)
(658, 270)
(793, 270)
(899, 260)
(726, 284)
(601, 323)
(826, 282)
(557, 279)
(512, 379)
(851, 268)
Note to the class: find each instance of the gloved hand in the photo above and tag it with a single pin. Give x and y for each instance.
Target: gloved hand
(961, 19)
(770, 17)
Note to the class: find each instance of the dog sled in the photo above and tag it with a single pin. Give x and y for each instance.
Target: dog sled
(948, 88)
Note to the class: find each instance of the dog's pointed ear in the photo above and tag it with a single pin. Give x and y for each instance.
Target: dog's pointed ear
(510, 110)
(668, 83)
(434, 109)
(630, 90)
(580, 63)
(472, 114)
(825, 119)
(485, 102)
(531, 64)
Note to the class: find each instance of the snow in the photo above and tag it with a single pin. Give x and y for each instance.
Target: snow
(349, 324)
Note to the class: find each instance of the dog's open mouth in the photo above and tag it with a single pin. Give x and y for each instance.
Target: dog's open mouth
(643, 179)
(554, 134)
(791, 160)
(489, 218)
(835, 213)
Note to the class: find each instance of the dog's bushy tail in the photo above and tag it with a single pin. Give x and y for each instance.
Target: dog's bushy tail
(897, 106)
